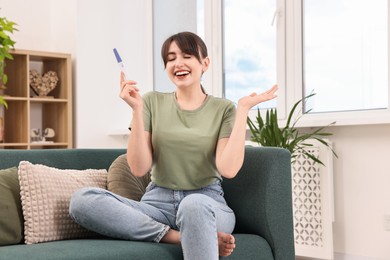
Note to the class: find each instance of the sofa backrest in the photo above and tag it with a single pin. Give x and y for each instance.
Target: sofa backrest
(79, 159)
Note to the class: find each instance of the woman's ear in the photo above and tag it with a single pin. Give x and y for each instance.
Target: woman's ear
(206, 63)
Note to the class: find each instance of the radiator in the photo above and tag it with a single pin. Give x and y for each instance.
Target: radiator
(313, 207)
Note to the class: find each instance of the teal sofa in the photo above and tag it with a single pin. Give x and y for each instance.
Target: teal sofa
(260, 196)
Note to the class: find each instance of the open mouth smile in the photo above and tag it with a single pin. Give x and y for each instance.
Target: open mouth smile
(182, 73)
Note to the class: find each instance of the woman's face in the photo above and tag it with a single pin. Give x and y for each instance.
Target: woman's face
(183, 69)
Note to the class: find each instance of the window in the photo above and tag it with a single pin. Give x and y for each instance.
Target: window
(345, 54)
(249, 41)
(336, 48)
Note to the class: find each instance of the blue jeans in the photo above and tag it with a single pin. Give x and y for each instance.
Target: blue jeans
(197, 214)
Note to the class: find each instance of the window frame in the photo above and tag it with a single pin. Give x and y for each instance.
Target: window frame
(289, 68)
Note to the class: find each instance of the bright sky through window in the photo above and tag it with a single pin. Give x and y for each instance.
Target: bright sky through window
(249, 48)
(345, 54)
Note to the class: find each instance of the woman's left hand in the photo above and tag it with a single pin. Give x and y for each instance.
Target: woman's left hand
(253, 99)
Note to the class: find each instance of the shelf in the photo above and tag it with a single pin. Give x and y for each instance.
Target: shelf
(48, 100)
(9, 98)
(26, 110)
(13, 146)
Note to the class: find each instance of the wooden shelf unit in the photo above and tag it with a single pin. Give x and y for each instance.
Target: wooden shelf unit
(54, 111)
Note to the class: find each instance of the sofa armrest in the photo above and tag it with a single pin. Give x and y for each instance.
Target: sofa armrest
(261, 197)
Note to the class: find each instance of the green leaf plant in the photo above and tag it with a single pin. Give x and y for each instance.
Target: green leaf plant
(6, 43)
(268, 133)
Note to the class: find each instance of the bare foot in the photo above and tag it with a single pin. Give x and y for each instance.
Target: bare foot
(226, 244)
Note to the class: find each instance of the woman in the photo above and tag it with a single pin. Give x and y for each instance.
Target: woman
(190, 140)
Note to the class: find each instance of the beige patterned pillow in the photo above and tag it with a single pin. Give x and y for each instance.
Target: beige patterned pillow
(45, 195)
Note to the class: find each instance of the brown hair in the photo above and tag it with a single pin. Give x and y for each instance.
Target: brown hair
(188, 42)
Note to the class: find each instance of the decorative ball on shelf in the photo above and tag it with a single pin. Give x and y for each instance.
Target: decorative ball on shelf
(43, 84)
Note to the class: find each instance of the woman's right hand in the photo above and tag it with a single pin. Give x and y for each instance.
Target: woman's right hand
(130, 93)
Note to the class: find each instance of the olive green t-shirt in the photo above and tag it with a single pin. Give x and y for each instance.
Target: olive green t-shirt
(184, 141)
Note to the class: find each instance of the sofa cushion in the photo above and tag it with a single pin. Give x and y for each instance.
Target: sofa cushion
(45, 195)
(248, 247)
(11, 216)
(122, 182)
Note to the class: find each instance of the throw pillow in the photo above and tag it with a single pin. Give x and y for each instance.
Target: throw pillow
(122, 182)
(11, 216)
(45, 195)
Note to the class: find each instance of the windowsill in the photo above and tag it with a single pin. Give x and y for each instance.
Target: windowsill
(350, 118)
(367, 117)
(119, 132)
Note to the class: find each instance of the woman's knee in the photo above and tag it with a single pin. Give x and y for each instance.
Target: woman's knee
(195, 204)
(81, 199)
(194, 212)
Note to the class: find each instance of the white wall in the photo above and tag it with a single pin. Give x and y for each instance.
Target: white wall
(43, 25)
(102, 26)
(361, 174)
(362, 190)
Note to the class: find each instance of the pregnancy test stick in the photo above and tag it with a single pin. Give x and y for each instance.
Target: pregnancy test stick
(120, 62)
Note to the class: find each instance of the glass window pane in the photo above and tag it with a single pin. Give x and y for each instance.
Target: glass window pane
(249, 48)
(346, 54)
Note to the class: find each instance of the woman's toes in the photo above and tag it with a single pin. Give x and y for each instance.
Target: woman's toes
(226, 244)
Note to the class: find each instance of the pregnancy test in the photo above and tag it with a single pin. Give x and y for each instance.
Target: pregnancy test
(120, 62)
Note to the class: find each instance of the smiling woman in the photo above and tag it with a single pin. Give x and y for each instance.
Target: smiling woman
(189, 141)
(177, 51)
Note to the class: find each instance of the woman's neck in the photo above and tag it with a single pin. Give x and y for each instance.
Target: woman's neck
(190, 99)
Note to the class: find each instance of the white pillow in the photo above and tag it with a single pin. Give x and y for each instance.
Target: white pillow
(45, 195)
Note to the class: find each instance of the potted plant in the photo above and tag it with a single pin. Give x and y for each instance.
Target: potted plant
(6, 43)
(311, 183)
(268, 133)
(6, 27)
